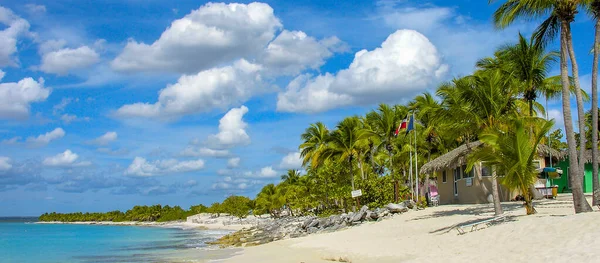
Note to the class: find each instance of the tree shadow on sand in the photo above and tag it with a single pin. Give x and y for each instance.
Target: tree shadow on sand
(471, 211)
(447, 229)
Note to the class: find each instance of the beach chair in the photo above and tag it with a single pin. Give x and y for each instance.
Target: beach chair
(434, 196)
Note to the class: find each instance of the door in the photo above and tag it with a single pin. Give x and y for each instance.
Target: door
(455, 180)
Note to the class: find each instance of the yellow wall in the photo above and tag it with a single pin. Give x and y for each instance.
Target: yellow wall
(473, 194)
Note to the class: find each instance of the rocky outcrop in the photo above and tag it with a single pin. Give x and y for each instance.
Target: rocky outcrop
(292, 227)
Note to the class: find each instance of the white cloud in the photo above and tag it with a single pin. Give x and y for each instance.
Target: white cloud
(13, 140)
(229, 183)
(233, 162)
(105, 138)
(190, 183)
(557, 116)
(62, 105)
(120, 151)
(204, 151)
(15, 27)
(219, 88)
(69, 118)
(214, 34)
(460, 39)
(405, 64)
(62, 61)
(421, 19)
(47, 137)
(293, 51)
(231, 130)
(65, 159)
(16, 97)
(291, 161)
(5, 164)
(34, 9)
(141, 167)
(265, 172)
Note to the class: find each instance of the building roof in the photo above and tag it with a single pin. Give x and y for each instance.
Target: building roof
(458, 156)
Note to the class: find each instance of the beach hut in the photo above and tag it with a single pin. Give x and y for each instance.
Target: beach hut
(456, 186)
(564, 186)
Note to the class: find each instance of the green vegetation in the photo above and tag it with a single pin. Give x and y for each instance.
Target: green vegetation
(497, 105)
(137, 213)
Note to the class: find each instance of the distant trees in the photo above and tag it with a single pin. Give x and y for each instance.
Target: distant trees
(137, 213)
(238, 206)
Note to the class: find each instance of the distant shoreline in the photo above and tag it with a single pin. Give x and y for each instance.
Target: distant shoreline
(170, 224)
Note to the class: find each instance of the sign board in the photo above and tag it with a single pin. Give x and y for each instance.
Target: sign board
(469, 181)
(356, 193)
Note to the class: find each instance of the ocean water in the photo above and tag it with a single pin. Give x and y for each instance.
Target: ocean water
(22, 240)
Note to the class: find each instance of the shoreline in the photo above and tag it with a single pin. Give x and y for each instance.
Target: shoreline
(170, 224)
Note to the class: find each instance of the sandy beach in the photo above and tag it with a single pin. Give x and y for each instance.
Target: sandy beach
(554, 234)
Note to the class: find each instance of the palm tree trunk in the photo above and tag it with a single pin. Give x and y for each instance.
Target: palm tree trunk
(528, 202)
(362, 171)
(427, 175)
(579, 98)
(579, 202)
(595, 179)
(496, 194)
(351, 172)
(391, 162)
(534, 192)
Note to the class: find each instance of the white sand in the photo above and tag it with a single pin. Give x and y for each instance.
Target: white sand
(555, 234)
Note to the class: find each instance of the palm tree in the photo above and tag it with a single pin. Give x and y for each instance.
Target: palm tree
(594, 10)
(345, 143)
(559, 14)
(512, 151)
(529, 63)
(492, 99)
(314, 141)
(267, 200)
(427, 112)
(291, 177)
(383, 124)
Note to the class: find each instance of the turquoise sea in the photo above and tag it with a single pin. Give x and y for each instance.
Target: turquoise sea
(22, 240)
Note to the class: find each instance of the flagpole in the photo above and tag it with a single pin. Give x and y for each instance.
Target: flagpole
(410, 173)
(416, 162)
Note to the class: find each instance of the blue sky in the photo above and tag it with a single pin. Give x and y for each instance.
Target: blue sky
(109, 104)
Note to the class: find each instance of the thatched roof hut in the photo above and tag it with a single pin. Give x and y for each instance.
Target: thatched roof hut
(588, 156)
(458, 157)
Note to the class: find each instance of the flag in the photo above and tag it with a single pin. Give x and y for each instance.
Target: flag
(402, 126)
(411, 124)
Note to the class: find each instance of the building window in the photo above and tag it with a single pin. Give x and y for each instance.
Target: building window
(444, 177)
(469, 174)
(456, 173)
(486, 170)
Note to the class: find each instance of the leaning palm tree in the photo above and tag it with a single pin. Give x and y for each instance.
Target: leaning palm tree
(491, 98)
(558, 14)
(594, 10)
(511, 152)
(346, 142)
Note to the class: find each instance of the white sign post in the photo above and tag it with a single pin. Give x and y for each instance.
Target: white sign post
(356, 193)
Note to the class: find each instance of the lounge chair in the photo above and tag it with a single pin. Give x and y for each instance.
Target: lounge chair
(434, 196)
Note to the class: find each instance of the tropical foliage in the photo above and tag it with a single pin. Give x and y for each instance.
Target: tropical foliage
(498, 104)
